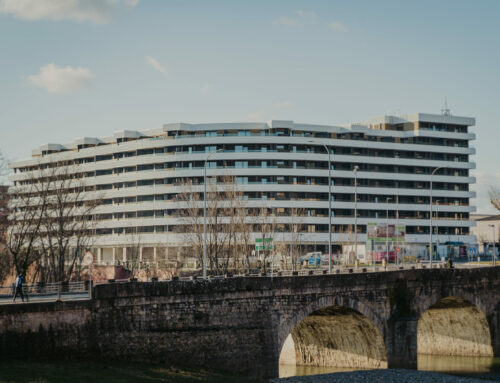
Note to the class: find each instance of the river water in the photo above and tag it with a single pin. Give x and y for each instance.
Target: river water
(458, 365)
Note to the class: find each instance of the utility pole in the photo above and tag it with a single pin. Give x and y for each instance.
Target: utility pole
(329, 205)
(356, 168)
(430, 215)
(387, 228)
(494, 250)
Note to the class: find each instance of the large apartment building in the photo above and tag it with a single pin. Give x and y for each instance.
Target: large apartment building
(283, 165)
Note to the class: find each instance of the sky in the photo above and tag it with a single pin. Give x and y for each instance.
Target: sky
(74, 68)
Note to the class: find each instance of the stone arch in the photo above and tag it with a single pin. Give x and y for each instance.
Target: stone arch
(366, 321)
(425, 302)
(454, 325)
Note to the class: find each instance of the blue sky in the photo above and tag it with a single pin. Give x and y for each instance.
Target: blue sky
(72, 68)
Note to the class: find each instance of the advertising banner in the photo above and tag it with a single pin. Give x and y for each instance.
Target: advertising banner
(382, 232)
(264, 244)
(381, 241)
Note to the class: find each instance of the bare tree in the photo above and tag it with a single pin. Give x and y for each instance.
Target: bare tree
(266, 224)
(190, 213)
(134, 251)
(228, 234)
(69, 221)
(27, 204)
(494, 193)
(296, 228)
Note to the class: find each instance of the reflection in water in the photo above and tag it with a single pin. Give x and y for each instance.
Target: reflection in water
(468, 365)
(458, 364)
(287, 370)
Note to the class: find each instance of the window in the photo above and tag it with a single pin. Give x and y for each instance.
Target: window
(241, 164)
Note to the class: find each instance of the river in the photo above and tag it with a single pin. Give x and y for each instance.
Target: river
(458, 365)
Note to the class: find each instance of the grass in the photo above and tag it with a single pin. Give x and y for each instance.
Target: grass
(80, 372)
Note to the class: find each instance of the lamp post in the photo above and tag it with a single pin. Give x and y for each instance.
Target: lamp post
(329, 204)
(494, 246)
(356, 168)
(205, 212)
(437, 229)
(430, 215)
(387, 199)
(398, 252)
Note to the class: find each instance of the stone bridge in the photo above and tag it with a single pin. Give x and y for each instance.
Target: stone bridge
(241, 324)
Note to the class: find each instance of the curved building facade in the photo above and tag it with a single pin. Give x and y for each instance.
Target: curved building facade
(282, 165)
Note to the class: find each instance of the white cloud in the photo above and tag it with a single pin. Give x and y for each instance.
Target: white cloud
(306, 14)
(286, 104)
(96, 11)
(56, 79)
(156, 65)
(336, 26)
(289, 21)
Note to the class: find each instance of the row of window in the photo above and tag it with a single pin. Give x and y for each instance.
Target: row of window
(302, 212)
(286, 148)
(300, 196)
(283, 228)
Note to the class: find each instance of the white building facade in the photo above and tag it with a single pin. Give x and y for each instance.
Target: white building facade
(283, 165)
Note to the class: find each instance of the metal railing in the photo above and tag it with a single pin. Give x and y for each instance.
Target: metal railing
(56, 291)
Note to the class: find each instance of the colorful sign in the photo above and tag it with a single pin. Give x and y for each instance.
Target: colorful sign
(264, 244)
(381, 241)
(381, 232)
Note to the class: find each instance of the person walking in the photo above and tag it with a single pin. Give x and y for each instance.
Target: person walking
(19, 288)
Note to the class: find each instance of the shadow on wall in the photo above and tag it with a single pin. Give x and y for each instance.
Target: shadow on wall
(334, 337)
(454, 326)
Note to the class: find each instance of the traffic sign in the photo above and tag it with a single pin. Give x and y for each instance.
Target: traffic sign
(88, 258)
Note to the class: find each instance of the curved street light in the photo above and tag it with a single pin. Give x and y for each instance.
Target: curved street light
(430, 216)
(329, 204)
(356, 168)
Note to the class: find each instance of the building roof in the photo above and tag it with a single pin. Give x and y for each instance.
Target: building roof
(485, 217)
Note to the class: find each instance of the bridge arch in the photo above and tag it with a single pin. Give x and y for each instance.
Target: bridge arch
(455, 326)
(336, 331)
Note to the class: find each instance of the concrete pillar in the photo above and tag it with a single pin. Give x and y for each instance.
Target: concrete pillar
(140, 254)
(401, 342)
(124, 254)
(154, 254)
(114, 255)
(99, 255)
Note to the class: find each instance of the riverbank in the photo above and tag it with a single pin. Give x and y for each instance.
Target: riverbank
(386, 376)
(100, 372)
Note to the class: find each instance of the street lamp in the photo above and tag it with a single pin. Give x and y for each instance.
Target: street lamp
(387, 199)
(437, 229)
(329, 204)
(205, 213)
(430, 216)
(356, 168)
(494, 246)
